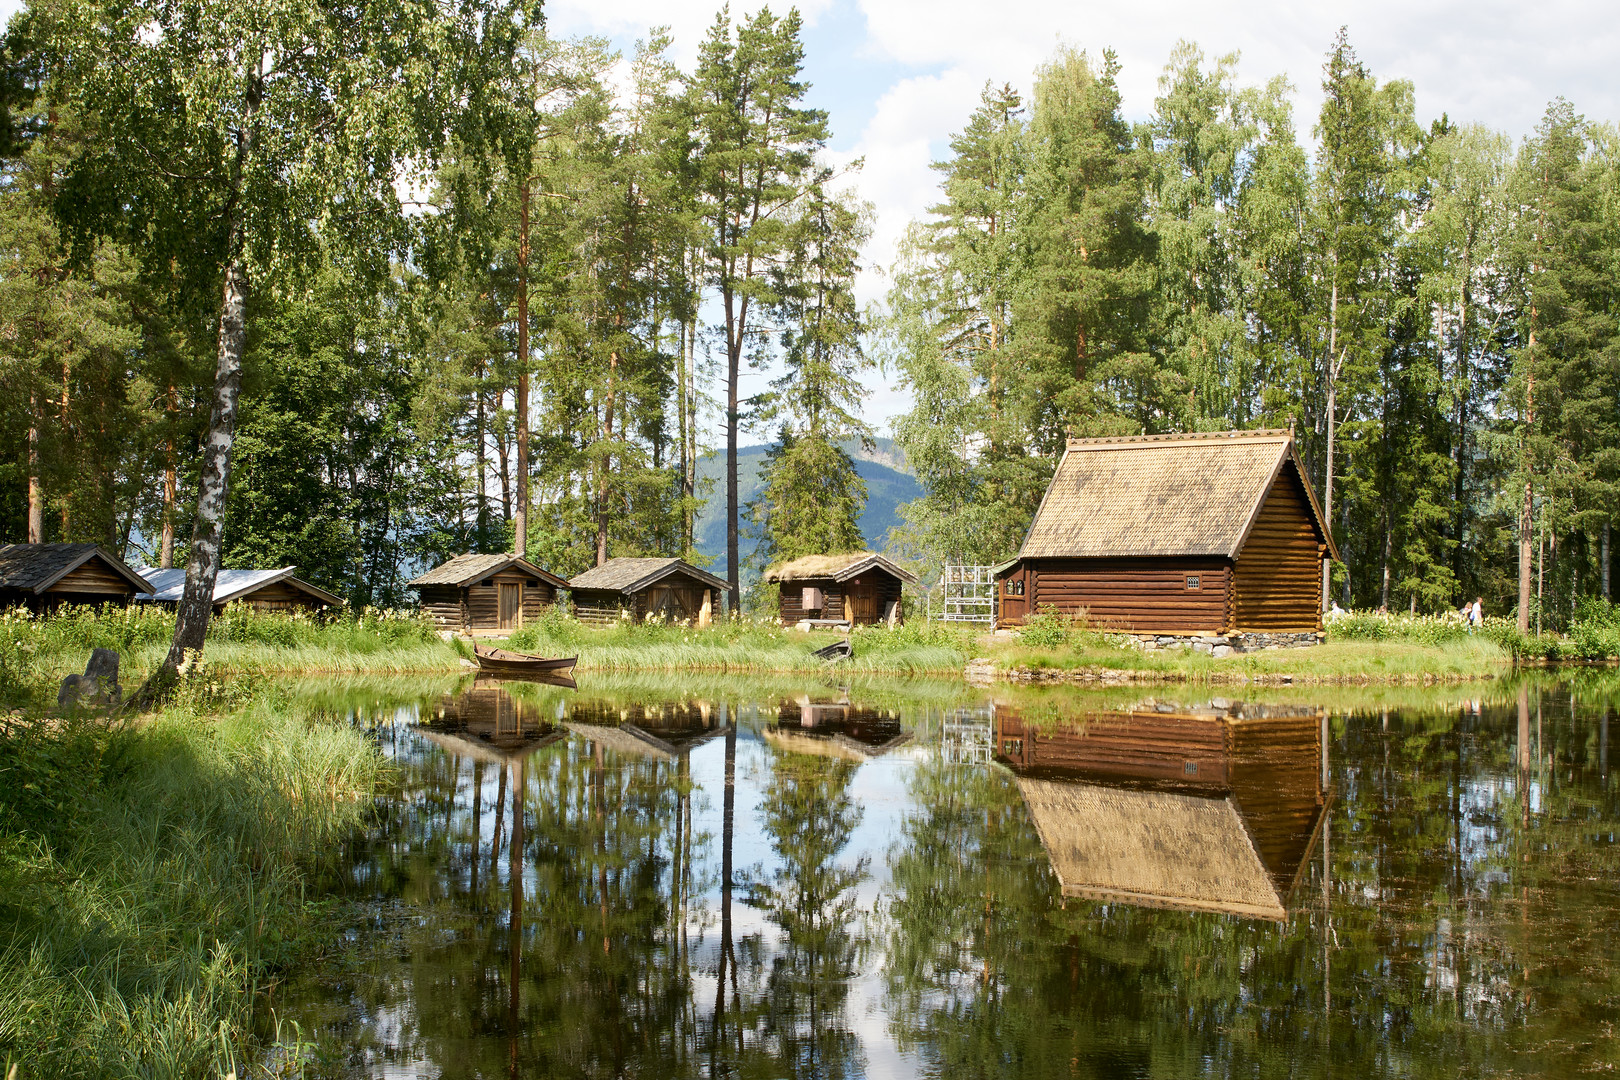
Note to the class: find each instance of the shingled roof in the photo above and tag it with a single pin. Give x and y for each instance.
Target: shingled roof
(837, 567)
(1163, 495)
(167, 586)
(36, 567)
(627, 575)
(469, 568)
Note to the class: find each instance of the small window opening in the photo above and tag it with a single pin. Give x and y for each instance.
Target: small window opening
(1015, 586)
(1192, 581)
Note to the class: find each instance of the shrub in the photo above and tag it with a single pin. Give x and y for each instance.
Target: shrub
(1046, 630)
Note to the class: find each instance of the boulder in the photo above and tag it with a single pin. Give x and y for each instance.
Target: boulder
(1222, 651)
(96, 688)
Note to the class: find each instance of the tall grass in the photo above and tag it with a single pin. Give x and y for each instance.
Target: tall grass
(152, 878)
(742, 646)
(37, 651)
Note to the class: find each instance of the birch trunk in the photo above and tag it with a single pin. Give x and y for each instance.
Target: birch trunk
(1332, 424)
(170, 485)
(36, 496)
(1603, 559)
(202, 569)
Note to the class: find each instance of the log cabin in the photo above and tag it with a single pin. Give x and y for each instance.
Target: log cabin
(642, 589)
(859, 589)
(487, 723)
(1190, 809)
(261, 590)
(1175, 534)
(486, 594)
(43, 577)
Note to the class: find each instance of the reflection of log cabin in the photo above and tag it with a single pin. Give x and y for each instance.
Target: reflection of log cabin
(486, 593)
(1175, 534)
(646, 589)
(1199, 811)
(860, 589)
(835, 729)
(43, 577)
(662, 731)
(261, 590)
(490, 724)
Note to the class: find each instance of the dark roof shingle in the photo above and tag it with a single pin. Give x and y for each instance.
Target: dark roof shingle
(628, 575)
(36, 567)
(465, 569)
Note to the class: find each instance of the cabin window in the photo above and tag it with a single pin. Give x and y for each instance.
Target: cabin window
(1192, 581)
(1015, 586)
(1012, 748)
(486, 583)
(1190, 768)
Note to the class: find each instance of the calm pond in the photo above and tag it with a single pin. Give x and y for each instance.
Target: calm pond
(897, 879)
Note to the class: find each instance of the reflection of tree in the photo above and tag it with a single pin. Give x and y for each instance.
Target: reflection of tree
(809, 816)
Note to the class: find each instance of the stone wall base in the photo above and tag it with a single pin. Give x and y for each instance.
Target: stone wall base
(1225, 644)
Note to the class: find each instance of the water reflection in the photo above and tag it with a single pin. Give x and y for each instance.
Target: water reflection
(645, 880)
(1202, 808)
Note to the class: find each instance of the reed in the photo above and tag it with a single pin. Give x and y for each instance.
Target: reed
(152, 878)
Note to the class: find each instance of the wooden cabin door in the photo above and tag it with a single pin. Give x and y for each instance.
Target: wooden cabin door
(510, 598)
(863, 600)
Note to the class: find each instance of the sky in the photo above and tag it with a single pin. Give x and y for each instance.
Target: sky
(899, 76)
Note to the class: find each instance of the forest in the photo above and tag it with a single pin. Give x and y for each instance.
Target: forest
(357, 289)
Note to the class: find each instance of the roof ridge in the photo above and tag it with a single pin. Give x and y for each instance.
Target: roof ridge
(1254, 434)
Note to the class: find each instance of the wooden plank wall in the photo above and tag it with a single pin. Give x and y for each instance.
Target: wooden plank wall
(536, 598)
(1142, 595)
(97, 578)
(1277, 580)
(1277, 784)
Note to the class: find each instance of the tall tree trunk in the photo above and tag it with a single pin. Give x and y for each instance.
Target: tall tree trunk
(62, 431)
(1526, 508)
(36, 496)
(503, 456)
(1603, 560)
(481, 517)
(521, 520)
(1389, 542)
(170, 484)
(680, 421)
(1332, 423)
(202, 569)
(1460, 500)
(734, 346)
(605, 461)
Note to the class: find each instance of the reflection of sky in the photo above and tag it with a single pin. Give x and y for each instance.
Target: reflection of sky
(1456, 941)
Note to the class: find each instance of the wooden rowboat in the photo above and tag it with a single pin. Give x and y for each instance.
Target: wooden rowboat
(838, 650)
(513, 665)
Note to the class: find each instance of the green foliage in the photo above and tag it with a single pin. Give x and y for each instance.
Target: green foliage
(1045, 630)
(152, 879)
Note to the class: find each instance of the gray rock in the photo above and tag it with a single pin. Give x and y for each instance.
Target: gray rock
(96, 688)
(1203, 647)
(1221, 651)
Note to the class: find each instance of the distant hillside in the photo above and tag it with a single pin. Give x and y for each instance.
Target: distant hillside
(888, 484)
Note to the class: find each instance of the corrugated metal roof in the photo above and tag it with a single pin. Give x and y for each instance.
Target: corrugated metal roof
(468, 568)
(36, 567)
(169, 585)
(1160, 495)
(628, 575)
(838, 567)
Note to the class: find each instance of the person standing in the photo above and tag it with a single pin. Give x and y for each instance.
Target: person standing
(1476, 613)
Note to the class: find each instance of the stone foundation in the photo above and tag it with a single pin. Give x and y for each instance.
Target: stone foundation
(1224, 644)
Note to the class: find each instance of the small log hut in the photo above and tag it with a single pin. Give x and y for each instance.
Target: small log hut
(861, 589)
(646, 589)
(486, 594)
(1191, 810)
(261, 590)
(43, 577)
(1175, 534)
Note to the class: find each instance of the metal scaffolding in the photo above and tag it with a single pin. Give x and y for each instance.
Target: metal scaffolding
(967, 594)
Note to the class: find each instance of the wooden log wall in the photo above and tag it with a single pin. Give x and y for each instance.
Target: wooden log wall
(599, 608)
(280, 596)
(1180, 750)
(442, 604)
(1277, 580)
(1140, 595)
(536, 598)
(833, 597)
(1277, 784)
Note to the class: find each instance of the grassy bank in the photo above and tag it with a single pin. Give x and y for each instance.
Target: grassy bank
(745, 647)
(152, 878)
(35, 653)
